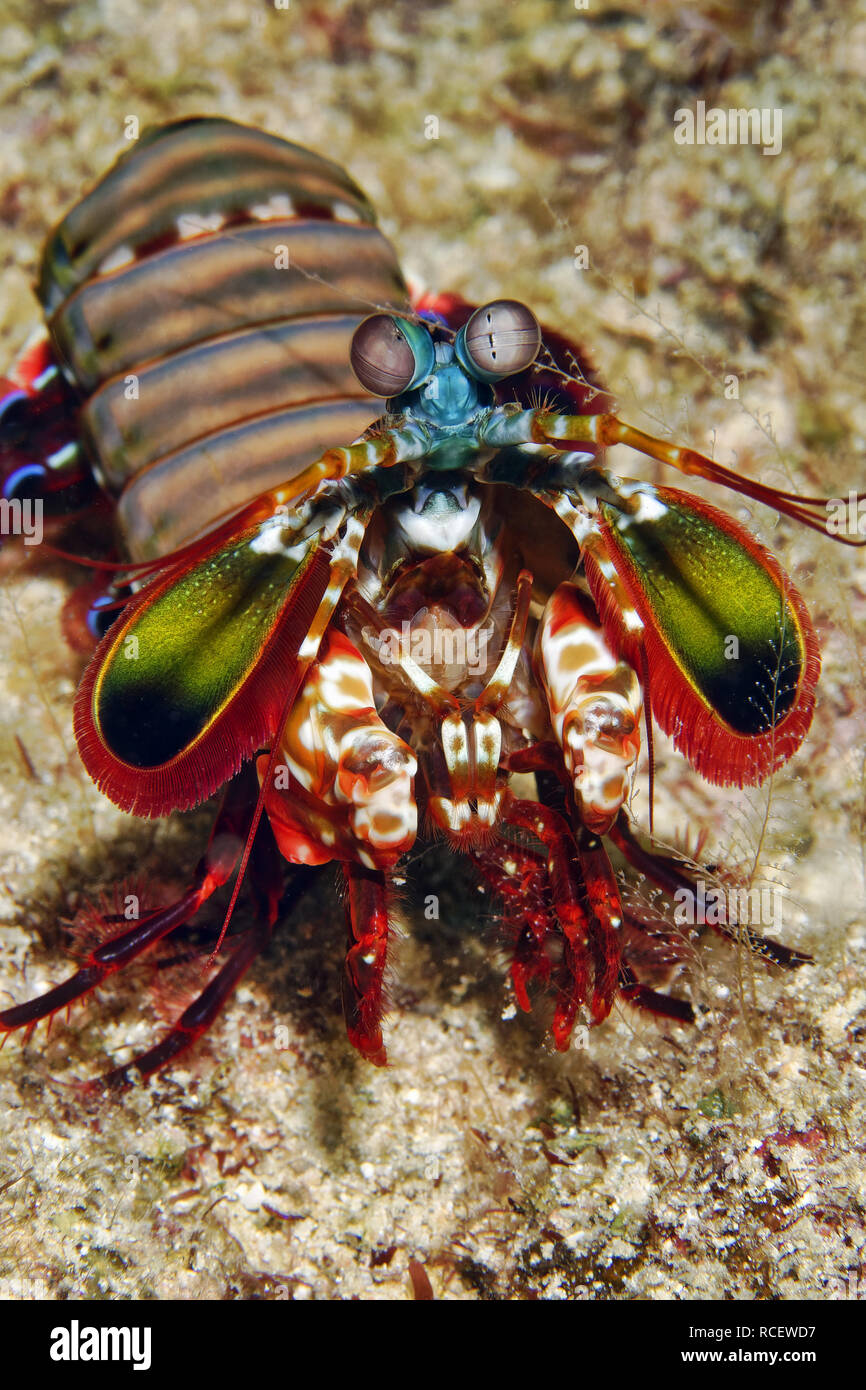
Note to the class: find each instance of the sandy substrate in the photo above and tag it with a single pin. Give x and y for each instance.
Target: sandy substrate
(725, 1160)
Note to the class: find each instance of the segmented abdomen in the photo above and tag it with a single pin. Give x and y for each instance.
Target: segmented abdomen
(203, 297)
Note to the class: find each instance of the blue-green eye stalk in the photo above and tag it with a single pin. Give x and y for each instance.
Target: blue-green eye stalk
(391, 355)
(499, 340)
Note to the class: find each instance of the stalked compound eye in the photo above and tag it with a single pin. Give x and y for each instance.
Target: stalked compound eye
(391, 355)
(499, 340)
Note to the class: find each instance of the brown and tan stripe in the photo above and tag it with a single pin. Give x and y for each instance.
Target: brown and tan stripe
(185, 493)
(218, 384)
(204, 295)
(219, 284)
(202, 166)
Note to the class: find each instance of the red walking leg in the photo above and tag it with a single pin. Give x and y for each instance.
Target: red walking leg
(363, 1000)
(674, 877)
(517, 876)
(194, 1021)
(567, 899)
(200, 1014)
(214, 869)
